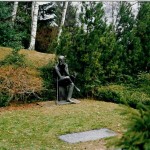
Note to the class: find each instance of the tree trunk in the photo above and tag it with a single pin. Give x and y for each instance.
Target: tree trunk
(14, 12)
(62, 20)
(34, 13)
(32, 10)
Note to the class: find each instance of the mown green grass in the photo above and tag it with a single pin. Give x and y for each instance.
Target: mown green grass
(38, 128)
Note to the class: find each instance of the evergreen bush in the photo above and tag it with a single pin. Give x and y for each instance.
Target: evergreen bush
(143, 82)
(122, 94)
(137, 136)
(47, 74)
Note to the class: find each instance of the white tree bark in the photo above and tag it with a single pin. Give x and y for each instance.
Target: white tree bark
(34, 25)
(32, 9)
(62, 20)
(14, 13)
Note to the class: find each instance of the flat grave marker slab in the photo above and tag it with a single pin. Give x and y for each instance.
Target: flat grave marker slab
(87, 135)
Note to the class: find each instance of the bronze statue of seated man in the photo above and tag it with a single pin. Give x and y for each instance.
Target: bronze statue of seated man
(64, 79)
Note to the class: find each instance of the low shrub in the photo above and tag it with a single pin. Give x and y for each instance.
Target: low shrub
(137, 136)
(143, 82)
(21, 83)
(47, 74)
(122, 94)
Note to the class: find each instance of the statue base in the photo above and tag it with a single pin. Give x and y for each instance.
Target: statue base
(63, 102)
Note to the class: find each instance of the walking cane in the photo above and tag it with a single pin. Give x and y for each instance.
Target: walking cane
(57, 91)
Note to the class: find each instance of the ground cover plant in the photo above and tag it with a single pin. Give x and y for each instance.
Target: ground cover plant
(36, 127)
(123, 94)
(20, 76)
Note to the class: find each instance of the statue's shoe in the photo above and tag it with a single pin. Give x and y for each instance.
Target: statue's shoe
(69, 100)
(73, 101)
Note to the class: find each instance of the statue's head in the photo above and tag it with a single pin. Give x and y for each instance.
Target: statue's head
(61, 60)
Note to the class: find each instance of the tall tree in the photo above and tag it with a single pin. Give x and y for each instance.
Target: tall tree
(35, 10)
(128, 43)
(14, 13)
(143, 28)
(47, 15)
(111, 11)
(62, 20)
(70, 15)
(70, 19)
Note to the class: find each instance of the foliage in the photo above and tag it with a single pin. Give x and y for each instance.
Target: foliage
(122, 94)
(106, 55)
(47, 74)
(4, 101)
(19, 75)
(10, 37)
(23, 22)
(44, 38)
(19, 83)
(143, 82)
(137, 136)
(143, 23)
(128, 43)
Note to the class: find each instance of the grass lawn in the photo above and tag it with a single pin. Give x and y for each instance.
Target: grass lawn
(32, 127)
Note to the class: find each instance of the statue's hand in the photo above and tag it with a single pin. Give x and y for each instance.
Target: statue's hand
(62, 77)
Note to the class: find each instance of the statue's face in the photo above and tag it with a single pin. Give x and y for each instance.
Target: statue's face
(61, 60)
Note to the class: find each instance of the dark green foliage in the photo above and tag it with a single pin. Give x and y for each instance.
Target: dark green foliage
(102, 56)
(9, 36)
(143, 82)
(128, 43)
(4, 99)
(122, 94)
(47, 73)
(143, 28)
(137, 136)
(23, 22)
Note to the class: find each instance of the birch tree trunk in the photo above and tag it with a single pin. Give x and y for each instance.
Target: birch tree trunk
(62, 20)
(32, 10)
(35, 9)
(14, 12)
